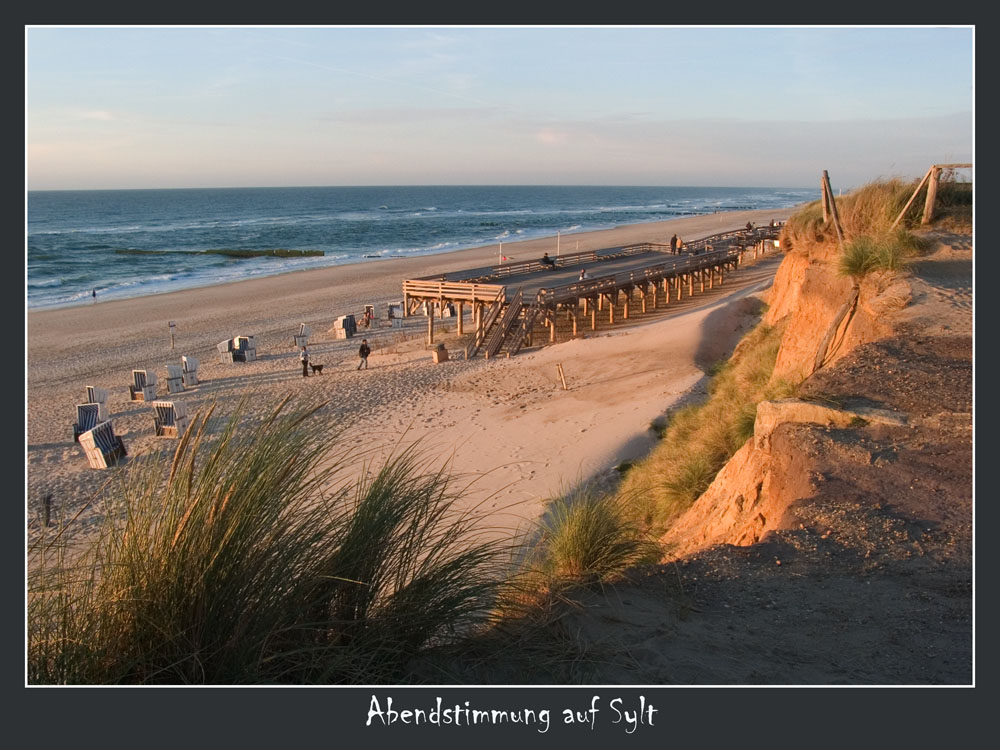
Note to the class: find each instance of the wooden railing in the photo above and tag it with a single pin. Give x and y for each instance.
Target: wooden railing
(461, 291)
(499, 332)
(611, 282)
(487, 322)
(520, 334)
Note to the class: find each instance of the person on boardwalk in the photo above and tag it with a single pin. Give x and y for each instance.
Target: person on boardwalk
(673, 244)
(363, 352)
(547, 261)
(583, 274)
(749, 227)
(304, 359)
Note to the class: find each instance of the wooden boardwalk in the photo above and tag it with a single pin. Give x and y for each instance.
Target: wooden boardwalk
(508, 301)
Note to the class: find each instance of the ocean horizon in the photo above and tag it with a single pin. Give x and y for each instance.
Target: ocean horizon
(132, 243)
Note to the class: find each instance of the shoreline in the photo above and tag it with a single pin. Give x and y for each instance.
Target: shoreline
(481, 254)
(619, 378)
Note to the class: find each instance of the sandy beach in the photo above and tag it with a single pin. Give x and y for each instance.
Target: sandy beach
(508, 422)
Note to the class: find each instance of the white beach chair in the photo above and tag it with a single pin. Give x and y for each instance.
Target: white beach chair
(170, 418)
(143, 386)
(175, 379)
(302, 338)
(87, 418)
(98, 396)
(102, 446)
(189, 375)
(225, 350)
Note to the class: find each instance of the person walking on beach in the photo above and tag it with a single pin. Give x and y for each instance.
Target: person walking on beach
(363, 352)
(304, 359)
(95, 294)
(673, 244)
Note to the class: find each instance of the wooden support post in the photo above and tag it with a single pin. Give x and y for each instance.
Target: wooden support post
(655, 290)
(711, 277)
(720, 275)
(593, 318)
(430, 323)
(642, 292)
(932, 188)
(680, 286)
(628, 301)
(600, 302)
(552, 326)
(572, 316)
(584, 299)
(461, 315)
(701, 279)
(666, 291)
(611, 308)
(826, 199)
(690, 285)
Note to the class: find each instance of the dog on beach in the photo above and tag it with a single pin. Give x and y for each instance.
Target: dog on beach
(317, 369)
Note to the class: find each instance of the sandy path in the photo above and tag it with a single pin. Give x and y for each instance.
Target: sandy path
(508, 418)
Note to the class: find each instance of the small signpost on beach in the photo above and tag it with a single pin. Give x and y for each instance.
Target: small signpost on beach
(172, 325)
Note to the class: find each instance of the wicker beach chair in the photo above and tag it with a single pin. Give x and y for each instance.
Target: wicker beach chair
(189, 374)
(244, 349)
(102, 446)
(143, 386)
(98, 396)
(344, 327)
(170, 418)
(302, 338)
(87, 418)
(175, 379)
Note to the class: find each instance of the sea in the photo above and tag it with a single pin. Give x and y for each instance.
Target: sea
(131, 243)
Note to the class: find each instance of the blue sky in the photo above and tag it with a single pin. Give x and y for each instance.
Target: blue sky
(280, 106)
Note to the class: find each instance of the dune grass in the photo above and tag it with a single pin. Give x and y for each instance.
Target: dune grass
(700, 438)
(244, 558)
(892, 251)
(590, 537)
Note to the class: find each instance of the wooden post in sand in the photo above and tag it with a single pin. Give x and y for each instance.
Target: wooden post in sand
(611, 308)
(680, 287)
(593, 317)
(572, 315)
(690, 284)
(628, 301)
(430, 323)
(461, 315)
(562, 376)
(666, 291)
(932, 187)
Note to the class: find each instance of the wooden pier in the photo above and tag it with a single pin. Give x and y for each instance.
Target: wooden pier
(508, 301)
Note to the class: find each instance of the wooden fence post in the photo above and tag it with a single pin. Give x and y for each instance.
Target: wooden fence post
(932, 187)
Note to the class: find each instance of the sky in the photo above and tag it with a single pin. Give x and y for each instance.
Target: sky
(172, 107)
